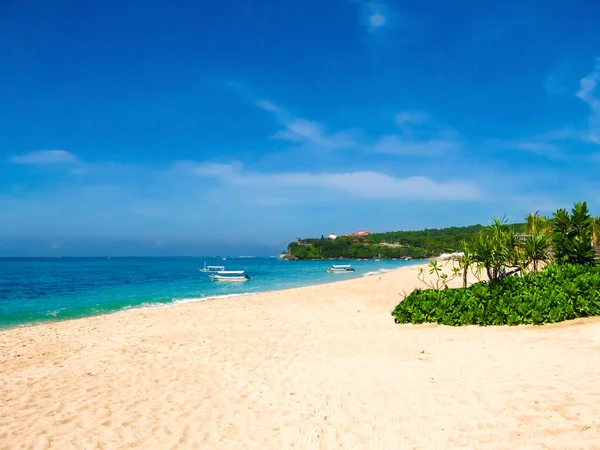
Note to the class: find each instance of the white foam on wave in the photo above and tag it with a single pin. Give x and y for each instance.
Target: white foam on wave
(54, 313)
(376, 272)
(180, 301)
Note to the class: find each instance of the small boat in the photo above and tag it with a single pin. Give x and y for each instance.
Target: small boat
(217, 277)
(212, 268)
(340, 268)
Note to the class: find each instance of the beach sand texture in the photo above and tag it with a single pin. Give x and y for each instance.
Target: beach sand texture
(321, 367)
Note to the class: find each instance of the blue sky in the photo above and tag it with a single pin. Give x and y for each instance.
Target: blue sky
(166, 128)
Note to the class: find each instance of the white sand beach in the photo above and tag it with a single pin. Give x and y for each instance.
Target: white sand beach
(320, 367)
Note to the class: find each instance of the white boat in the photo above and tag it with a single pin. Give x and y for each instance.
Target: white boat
(212, 268)
(230, 272)
(340, 268)
(218, 277)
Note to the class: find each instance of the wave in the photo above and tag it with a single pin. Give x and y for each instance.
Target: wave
(180, 301)
(55, 313)
(376, 272)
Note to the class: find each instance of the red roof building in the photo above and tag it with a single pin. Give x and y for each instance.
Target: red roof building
(360, 233)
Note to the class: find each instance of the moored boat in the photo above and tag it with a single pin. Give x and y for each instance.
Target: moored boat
(228, 277)
(212, 268)
(340, 268)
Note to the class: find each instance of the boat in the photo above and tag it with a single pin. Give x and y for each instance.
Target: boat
(212, 268)
(340, 268)
(227, 277)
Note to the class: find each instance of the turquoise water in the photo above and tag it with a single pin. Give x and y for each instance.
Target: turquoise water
(37, 290)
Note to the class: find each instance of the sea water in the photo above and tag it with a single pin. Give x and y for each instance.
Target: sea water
(37, 290)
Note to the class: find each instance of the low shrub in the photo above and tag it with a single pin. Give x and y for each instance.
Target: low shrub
(553, 294)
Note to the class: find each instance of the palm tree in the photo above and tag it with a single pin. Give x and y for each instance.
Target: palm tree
(495, 249)
(465, 262)
(534, 246)
(595, 230)
(535, 249)
(536, 224)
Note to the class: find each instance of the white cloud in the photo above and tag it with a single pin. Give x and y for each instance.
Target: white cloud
(377, 20)
(46, 157)
(300, 130)
(539, 145)
(411, 117)
(375, 15)
(536, 147)
(418, 137)
(397, 145)
(587, 93)
(547, 143)
(303, 130)
(218, 170)
(268, 106)
(362, 184)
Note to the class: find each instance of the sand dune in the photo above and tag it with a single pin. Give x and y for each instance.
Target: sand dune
(316, 367)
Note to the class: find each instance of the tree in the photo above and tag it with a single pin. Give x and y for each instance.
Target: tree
(572, 235)
(495, 249)
(535, 249)
(535, 243)
(595, 230)
(536, 224)
(465, 262)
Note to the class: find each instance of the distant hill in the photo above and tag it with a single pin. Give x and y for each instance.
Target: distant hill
(394, 244)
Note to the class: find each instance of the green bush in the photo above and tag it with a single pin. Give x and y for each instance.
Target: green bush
(573, 235)
(554, 294)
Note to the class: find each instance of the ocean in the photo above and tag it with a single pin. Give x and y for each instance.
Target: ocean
(38, 290)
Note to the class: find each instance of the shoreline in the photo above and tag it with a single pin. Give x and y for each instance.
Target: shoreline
(322, 366)
(191, 300)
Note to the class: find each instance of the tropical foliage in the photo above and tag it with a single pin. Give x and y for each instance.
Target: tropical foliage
(556, 293)
(440, 278)
(495, 250)
(572, 235)
(516, 291)
(346, 248)
(394, 244)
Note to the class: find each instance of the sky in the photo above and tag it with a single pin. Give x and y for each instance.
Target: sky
(233, 127)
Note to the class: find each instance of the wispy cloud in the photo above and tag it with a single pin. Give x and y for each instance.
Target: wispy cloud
(559, 144)
(536, 147)
(587, 93)
(362, 184)
(411, 118)
(268, 106)
(398, 145)
(45, 157)
(375, 15)
(539, 145)
(300, 130)
(418, 136)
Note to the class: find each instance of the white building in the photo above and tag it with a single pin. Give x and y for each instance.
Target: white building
(332, 236)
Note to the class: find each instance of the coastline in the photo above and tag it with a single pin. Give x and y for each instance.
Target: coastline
(317, 366)
(51, 317)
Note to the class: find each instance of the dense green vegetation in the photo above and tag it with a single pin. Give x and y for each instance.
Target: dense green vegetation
(395, 244)
(344, 247)
(514, 290)
(556, 293)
